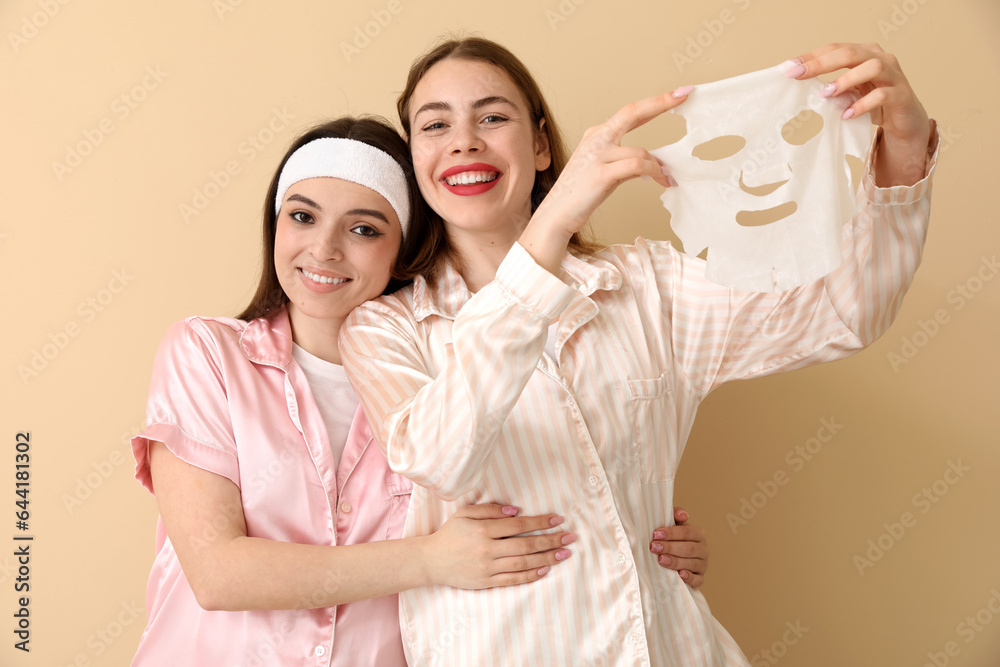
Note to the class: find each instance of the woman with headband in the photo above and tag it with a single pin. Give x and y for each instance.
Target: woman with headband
(278, 539)
(573, 373)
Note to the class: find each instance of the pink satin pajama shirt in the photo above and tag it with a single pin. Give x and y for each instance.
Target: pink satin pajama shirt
(227, 397)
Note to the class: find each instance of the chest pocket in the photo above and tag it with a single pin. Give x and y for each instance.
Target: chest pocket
(651, 427)
(399, 489)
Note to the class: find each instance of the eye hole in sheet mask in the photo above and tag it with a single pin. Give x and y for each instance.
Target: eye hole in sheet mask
(719, 148)
(763, 183)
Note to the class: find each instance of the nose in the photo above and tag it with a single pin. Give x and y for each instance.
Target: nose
(326, 246)
(466, 139)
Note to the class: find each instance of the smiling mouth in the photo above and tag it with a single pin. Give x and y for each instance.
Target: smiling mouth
(323, 280)
(472, 178)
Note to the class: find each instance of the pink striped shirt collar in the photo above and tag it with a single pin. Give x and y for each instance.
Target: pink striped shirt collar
(449, 293)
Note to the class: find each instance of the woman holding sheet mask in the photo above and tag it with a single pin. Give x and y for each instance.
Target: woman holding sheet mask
(523, 357)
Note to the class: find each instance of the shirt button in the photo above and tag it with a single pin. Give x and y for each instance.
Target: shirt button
(634, 638)
(620, 558)
(593, 480)
(320, 651)
(345, 507)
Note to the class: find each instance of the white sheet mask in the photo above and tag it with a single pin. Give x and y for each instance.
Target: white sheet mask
(766, 173)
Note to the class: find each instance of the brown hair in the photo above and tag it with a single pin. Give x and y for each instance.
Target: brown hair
(436, 246)
(373, 131)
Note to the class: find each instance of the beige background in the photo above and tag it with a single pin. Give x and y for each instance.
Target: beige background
(98, 258)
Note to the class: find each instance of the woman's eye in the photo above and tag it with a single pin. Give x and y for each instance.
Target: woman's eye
(301, 216)
(365, 230)
(494, 118)
(431, 127)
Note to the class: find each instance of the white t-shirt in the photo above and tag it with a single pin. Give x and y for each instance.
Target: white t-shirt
(334, 397)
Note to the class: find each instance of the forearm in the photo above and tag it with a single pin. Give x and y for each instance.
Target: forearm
(883, 246)
(438, 427)
(246, 573)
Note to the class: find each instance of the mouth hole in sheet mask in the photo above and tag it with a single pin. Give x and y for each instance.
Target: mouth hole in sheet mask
(767, 216)
(719, 148)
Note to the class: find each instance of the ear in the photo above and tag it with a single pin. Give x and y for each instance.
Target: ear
(543, 155)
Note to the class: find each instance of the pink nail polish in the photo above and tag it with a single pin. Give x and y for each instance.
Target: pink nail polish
(664, 560)
(556, 520)
(563, 554)
(848, 114)
(543, 570)
(828, 89)
(659, 535)
(682, 91)
(509, 510)
(655, 548)
(796, 72)
(569, 538)
(798, 61)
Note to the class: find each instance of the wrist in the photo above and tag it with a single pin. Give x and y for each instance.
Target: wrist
(903, 161)
(424, 562)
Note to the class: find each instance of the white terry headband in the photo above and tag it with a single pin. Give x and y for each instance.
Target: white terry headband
(349, 160)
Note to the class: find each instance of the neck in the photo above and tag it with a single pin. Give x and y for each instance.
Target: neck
(481, 253)
(319, 338)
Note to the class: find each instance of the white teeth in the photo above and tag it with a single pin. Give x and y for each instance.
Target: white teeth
(323, 279)
(469, 177)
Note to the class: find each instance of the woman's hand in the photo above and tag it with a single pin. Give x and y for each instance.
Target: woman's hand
(884, 91)
(477, 547)
(683, 548)
(598, 165)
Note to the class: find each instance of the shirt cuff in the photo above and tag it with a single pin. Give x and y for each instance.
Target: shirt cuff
(534, 288)
(901, 194)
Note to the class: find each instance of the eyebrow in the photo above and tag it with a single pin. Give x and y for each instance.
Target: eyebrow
(478, 104)
(368, 212)
(305, 200)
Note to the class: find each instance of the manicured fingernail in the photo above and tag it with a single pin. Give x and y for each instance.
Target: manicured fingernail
(685, 574)
(556, 520)
(795, 72)
(798, 61)
(848, 114)
(672, 181)
(509, 510)
(682, 91)
(655, 547)
(568, 538)
(664, 560)
(659, 535)
(683, 515)
(543, 570)
(828, 89)
(562, 554)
